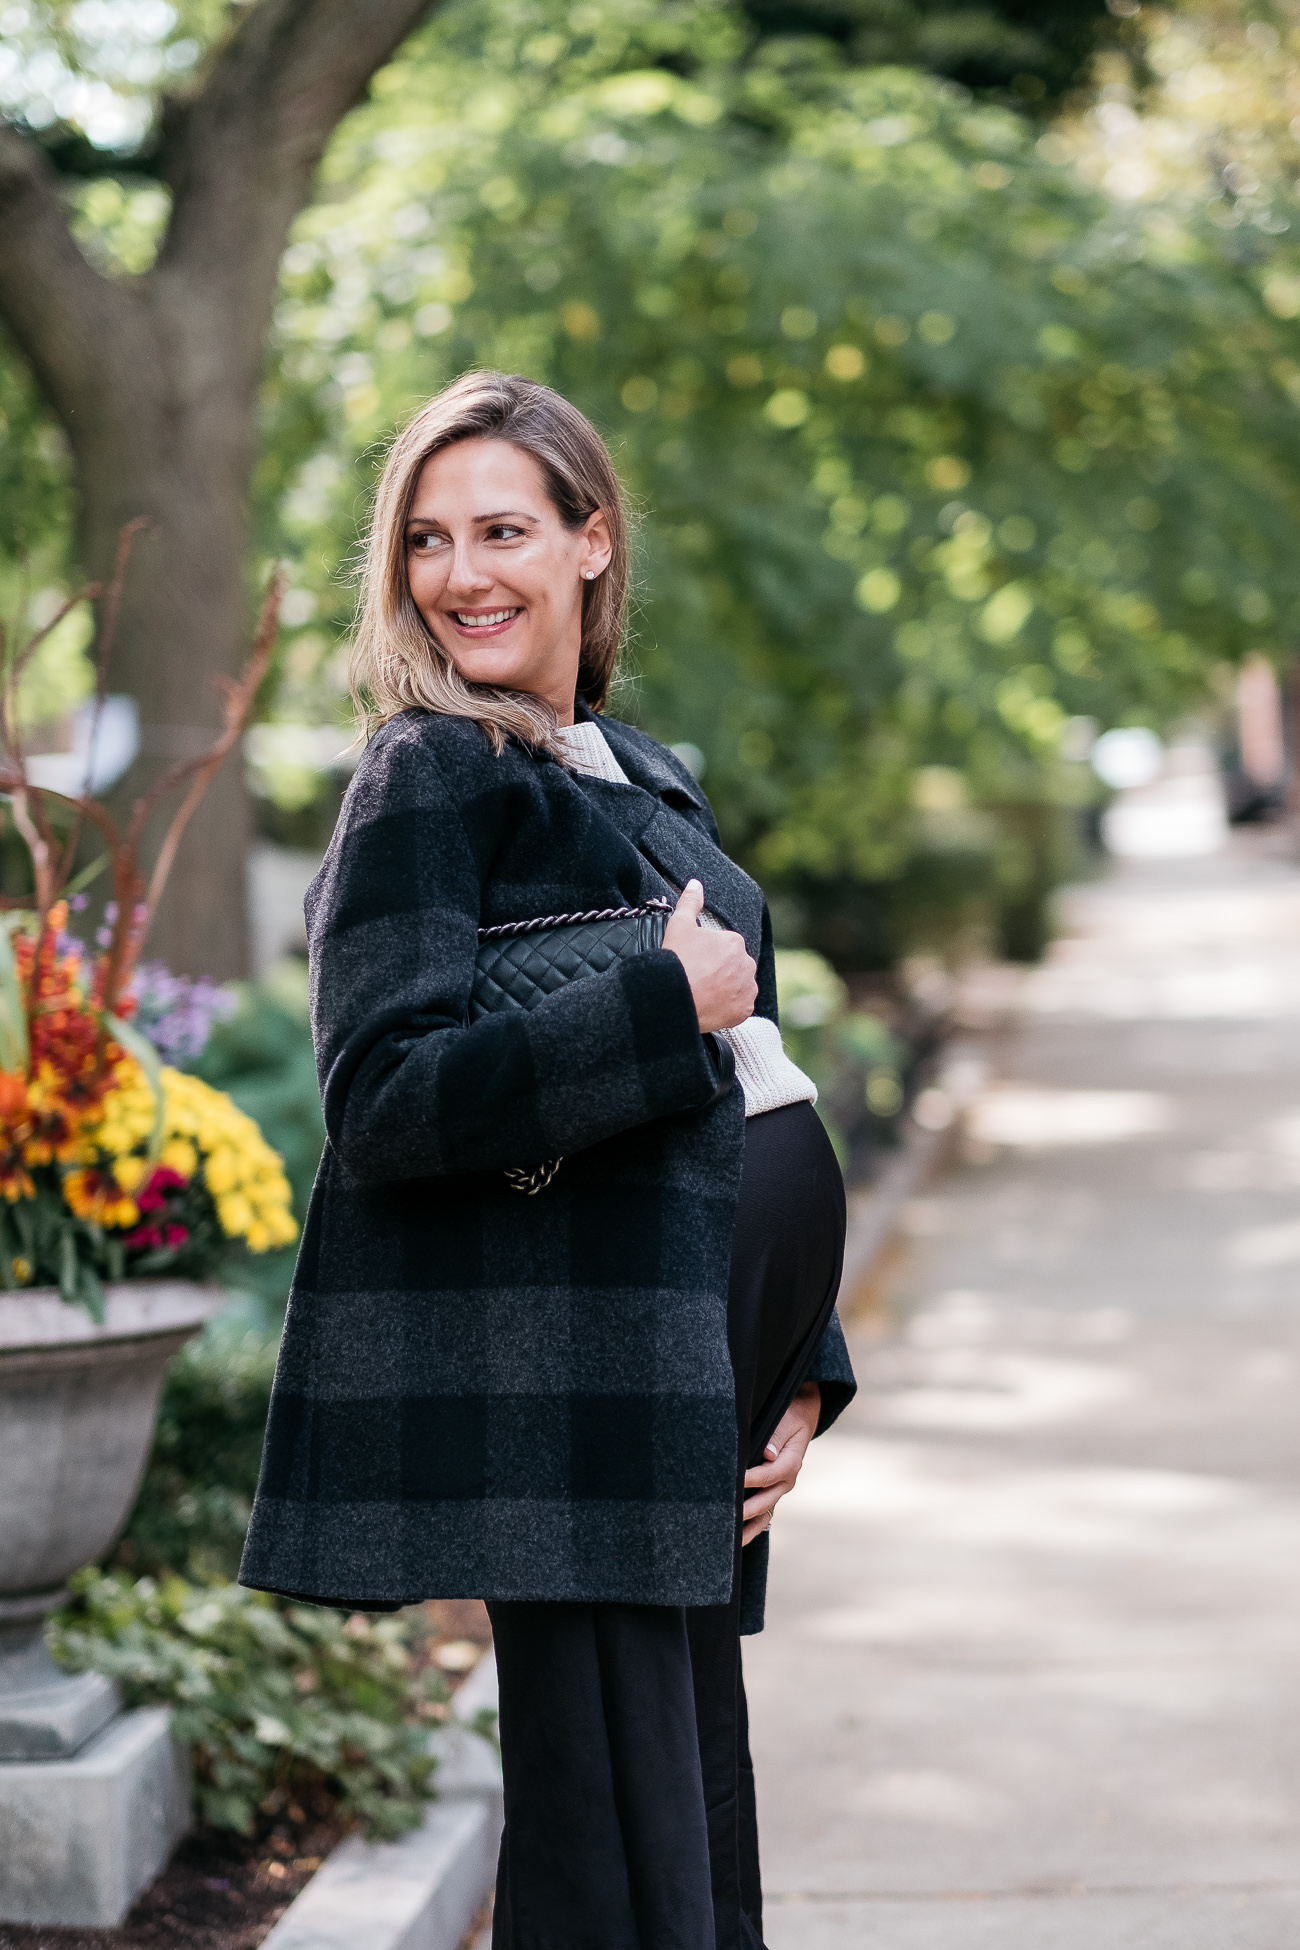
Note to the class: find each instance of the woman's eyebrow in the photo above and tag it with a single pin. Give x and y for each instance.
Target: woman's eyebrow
(503, 514)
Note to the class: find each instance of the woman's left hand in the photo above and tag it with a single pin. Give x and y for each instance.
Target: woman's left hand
(777, 1474)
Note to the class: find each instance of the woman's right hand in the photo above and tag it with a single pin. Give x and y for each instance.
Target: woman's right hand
(719, 967)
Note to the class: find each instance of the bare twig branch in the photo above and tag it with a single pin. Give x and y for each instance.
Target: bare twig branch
(35, 831)
(13, 781)
(90, 592)
(52, 864)
(239, 697)
(112, 600)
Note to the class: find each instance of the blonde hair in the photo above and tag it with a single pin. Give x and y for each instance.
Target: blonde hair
(396, 661)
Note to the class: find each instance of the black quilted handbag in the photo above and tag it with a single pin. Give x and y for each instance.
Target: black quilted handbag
(520, 963)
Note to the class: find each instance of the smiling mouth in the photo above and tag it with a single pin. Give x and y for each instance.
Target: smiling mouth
(482, 622)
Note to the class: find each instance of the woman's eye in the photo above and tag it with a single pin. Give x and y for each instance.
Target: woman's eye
(424, 544)
(504, 531)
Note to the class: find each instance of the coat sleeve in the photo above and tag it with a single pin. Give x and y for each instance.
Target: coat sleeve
(409, 1087)
(833, 1371)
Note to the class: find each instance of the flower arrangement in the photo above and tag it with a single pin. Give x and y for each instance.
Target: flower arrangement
(111, 1164)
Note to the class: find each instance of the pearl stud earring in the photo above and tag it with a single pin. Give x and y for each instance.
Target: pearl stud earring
(589, 575)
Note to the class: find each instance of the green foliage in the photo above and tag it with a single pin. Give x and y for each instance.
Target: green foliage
(194, 1503)
(940, 447)
(273, 1698)
(42, 1243)
(856, 1061)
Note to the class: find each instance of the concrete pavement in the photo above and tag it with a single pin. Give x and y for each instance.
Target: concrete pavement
(1029, 1681)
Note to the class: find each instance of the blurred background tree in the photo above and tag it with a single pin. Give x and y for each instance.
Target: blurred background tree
(146, 335)
(951, 448)
(1032, 52)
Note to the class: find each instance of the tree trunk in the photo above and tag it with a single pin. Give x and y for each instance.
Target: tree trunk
(169, 437)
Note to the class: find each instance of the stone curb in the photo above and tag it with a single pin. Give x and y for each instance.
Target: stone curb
(422, 1892)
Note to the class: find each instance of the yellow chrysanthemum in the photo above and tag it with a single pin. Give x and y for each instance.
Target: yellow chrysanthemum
(129, 1171)
(179, 1155)
(222, 1170)
(203, 1131)
(236, 1215)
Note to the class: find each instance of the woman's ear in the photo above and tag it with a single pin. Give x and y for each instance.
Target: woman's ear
(597, 547)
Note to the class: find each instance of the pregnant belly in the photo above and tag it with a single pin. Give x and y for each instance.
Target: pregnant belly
(786, 1256)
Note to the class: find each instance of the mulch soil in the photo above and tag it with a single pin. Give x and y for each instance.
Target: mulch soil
(222, 1892)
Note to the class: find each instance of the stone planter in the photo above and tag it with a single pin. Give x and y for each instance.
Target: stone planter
(78, 1404)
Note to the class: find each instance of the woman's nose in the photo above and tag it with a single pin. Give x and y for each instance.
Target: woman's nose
(468, 573)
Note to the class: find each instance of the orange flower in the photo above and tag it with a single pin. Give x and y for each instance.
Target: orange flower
(96, 1195)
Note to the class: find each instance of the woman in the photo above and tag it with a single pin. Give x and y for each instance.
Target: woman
(549, 1397)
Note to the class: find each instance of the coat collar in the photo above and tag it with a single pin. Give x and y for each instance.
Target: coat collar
(651, 818)
(646, 763)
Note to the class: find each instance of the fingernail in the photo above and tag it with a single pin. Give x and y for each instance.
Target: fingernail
(770, 1452)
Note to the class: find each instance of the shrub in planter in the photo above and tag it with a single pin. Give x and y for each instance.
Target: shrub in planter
(277, 1701)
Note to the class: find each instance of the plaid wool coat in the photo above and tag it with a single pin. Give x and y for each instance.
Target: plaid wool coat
(482, 1393)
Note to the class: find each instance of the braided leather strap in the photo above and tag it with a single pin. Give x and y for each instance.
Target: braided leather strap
(507, 928)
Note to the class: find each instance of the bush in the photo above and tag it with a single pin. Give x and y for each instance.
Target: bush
(861, 1068)
(194, 1503)
(278, 1701)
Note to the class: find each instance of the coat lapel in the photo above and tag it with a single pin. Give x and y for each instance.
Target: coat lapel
(651, 817)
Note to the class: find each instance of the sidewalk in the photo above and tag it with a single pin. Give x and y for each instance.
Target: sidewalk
(1030, 1675)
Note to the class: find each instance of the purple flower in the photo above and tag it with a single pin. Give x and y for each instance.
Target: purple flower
(175, 1013)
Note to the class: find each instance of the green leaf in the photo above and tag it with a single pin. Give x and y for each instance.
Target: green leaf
(69, 1284)
(88, 874)
(90, 1294)
(146, 1056)
(14, 1050)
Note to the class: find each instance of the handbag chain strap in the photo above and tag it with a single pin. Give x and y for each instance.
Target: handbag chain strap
(520, 1178)
(655, 906)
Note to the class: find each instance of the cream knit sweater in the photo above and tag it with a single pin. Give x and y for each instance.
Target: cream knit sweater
(763, 1070)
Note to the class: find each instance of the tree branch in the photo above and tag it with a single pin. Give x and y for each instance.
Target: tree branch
(240, 154)
(58, 306)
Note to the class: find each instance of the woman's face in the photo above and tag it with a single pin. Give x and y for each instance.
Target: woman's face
(495, 573)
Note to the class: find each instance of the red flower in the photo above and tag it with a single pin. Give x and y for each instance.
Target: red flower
(150, 1238)
(153, 1196)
